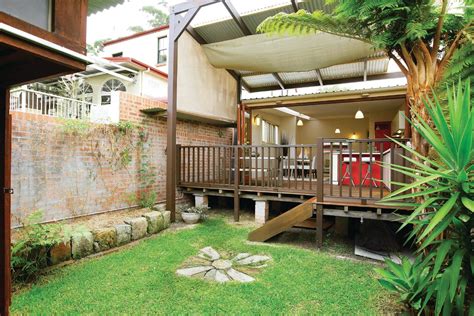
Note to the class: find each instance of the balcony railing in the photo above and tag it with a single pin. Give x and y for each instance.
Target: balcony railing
(30, 101)
(334, 169)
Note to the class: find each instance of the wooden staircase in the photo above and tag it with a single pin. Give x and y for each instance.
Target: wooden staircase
(279, 224)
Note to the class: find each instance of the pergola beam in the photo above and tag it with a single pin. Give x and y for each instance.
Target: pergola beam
(294, 5)
(279, 80)
(236, 16)
(320, 78)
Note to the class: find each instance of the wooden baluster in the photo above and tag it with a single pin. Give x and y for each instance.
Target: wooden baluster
(382, 169)
(208, 164)
(350, 169)
(331, 162)
(219, 169)
(360, 169)
(263, 166)
(310, 175)
(339, 174)
(371, 167)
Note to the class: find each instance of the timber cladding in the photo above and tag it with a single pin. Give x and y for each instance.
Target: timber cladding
(65, 173)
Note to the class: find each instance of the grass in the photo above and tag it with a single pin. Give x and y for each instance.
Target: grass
(142, 280)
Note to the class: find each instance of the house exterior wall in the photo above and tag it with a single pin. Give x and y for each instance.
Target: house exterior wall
(202, 89)
(65, 173)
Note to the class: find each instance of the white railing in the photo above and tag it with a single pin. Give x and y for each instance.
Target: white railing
(30, 101)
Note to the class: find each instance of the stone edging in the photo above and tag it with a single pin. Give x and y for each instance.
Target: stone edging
(87, 243)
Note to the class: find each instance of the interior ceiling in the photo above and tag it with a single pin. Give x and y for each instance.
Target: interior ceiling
(342, 110)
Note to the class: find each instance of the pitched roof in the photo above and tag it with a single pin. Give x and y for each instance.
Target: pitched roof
(138, 63)
(129, 37)
(99, 5)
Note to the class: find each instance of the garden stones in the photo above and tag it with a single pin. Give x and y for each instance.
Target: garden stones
(82, 245)
(124, 234)
(155, 222)
(212, 266)
(104, 238)
(166, 219)
(139, 227)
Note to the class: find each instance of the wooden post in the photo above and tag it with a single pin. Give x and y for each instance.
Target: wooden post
(319, 191)
(236, 183)
(5, 215)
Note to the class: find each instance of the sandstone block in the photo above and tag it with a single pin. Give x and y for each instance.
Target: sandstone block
(139, 227)
(82, 245)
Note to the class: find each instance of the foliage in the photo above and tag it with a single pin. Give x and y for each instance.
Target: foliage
(410, 280)
(30, 252)
(444, 216)
(420, 36)
(97, 47)
(198, 209)
(158, 16)
(141, 280)
(75, 127)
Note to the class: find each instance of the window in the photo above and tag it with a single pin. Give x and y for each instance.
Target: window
(86, 93)
(270, 133)
(108, 87)
(162, 49)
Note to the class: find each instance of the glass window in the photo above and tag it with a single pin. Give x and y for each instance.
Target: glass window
(270, 133)
(86, 92)
(162, 49)
(108, 87)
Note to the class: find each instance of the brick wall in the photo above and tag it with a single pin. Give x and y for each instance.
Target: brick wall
(67, 174)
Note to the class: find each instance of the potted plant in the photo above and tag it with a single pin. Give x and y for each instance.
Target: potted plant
(191, 215)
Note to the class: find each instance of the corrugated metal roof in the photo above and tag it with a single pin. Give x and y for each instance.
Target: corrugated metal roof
(99, 5)
(220, 26)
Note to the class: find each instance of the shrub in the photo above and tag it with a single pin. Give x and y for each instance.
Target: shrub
(30, 252)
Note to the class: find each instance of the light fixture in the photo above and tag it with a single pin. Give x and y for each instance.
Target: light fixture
(299, 122)
(337, 131)
(359, 114)
(354, 136)
(257, 120)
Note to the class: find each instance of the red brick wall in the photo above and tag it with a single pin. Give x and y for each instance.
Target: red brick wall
(61, 174)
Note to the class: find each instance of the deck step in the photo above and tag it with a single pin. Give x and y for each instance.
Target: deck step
(283, 222)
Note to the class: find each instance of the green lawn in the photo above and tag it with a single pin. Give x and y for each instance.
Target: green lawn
(142, 280)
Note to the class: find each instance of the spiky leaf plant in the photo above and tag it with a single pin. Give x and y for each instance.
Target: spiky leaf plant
(442, 195)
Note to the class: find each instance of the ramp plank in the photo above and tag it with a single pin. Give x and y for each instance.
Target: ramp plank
(283, 222)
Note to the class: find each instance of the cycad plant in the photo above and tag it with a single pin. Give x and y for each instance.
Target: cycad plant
(420, 36)
(442, 195)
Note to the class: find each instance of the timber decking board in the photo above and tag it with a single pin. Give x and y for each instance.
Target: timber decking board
(283, 222)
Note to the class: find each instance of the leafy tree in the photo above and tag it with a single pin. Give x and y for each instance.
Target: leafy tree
(158, 17)
(421, 36)
(97, 47)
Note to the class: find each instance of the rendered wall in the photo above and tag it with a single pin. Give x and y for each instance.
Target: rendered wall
(65, 175)
(202, 89)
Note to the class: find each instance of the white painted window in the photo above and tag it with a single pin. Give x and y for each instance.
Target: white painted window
(108, 87)
(162, 50)
(270, 133)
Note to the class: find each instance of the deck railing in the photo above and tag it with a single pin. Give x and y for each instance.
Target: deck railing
(345, 168)
(30, 101)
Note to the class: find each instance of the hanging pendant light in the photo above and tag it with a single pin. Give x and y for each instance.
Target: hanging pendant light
(299, 122)
(359, 114)
(337, 131)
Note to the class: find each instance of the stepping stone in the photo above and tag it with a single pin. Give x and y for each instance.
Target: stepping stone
(210, 275)
(221, 277)
(253, 260)
(194, 270)
(239, 276)
(241, 256)
(222, 264)
(209, 253)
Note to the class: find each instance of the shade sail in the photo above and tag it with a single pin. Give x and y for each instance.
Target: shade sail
(276, 53)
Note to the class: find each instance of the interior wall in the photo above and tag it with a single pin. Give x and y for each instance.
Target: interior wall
(313, 129)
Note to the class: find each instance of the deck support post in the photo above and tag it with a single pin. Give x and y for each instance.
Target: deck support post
(201, 200)
(5, 200)
(261, 211)
(319, 192)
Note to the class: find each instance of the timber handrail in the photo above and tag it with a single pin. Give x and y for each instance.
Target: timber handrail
(330, 168)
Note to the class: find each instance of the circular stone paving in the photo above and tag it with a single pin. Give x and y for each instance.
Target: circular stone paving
(211, 265)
